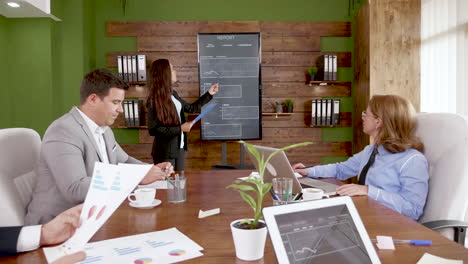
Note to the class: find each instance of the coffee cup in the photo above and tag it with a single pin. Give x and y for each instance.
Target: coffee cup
(143, 196)
(312, 194)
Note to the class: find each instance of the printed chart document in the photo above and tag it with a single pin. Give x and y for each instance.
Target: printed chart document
(166, 246)
(110, 185)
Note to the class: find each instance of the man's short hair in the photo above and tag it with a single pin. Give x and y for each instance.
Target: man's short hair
(99, 82)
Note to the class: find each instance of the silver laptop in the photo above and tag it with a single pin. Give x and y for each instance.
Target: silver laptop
(320, 231)
(279, 166)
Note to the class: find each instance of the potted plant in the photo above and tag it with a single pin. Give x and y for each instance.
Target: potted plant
(278, 107)
(250, 234)
(312, 71)
(289, 103)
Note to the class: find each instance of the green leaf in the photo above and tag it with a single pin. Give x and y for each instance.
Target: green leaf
(248, 199)
(266, 188)
(252, 150)
(243, 187)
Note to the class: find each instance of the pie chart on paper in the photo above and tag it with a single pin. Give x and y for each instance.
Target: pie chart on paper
(177, 252)
(143, 261)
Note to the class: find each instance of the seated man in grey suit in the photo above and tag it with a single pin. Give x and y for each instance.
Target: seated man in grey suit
(14, 239)
(74, 142)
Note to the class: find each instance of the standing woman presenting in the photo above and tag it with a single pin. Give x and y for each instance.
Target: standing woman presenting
(166, 118)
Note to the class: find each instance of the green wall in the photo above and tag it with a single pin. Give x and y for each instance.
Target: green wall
(28, 52)
(45, 63)
(5, 114)
(46, 60)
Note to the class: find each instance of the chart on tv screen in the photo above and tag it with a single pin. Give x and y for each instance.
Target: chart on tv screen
(233, 61)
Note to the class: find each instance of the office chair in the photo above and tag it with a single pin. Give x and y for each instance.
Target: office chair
(19, 153)
(445, 138)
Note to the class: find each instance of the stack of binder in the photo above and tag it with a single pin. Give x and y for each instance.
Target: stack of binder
(132, 68)
(330, 67)
(133, 112)
(325, 112)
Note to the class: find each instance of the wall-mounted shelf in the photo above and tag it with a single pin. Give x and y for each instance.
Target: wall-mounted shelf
(324, 83)
(276, 114)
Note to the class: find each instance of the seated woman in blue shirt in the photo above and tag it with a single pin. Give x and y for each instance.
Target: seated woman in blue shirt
(398, 177)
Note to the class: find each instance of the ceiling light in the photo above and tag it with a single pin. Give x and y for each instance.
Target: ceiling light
(13, 4)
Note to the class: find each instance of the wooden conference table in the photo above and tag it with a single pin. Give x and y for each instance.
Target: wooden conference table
(207, 190)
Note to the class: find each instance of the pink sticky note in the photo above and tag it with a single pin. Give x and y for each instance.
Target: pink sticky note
(385, 242)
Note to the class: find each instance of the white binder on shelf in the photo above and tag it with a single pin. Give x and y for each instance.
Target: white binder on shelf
(136, 115)
(329, 112)
(125, 68)
(325, 68)
(134, 69)
(319, 112)
(324, 112)
(335, 68)
(336, 112)
(127, 113)
(141, 59)
(119, 66)
(314, 112)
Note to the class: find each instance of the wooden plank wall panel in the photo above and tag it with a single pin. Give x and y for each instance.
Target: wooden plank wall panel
(394, 50)
(288, 49)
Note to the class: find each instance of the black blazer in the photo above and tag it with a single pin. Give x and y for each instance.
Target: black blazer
(166, 142)
(8, 240)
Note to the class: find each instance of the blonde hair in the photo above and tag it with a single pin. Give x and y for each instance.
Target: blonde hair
(398, 123)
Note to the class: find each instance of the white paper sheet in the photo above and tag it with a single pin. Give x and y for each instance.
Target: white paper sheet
(431, 259)
(110, 186)
(166, 246)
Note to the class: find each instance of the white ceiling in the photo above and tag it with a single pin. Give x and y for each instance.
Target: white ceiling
(28, 8)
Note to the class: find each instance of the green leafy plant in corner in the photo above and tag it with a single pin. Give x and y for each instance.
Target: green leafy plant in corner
(253, 190)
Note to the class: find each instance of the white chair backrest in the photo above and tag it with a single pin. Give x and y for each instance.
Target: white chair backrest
(445, 138)
(19, 153)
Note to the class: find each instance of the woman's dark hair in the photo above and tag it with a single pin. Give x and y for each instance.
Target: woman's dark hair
(159, 98)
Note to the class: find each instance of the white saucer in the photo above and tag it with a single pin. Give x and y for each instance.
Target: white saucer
(155, 203)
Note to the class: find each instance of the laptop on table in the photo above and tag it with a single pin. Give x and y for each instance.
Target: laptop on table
(320, 231)
(279, 166)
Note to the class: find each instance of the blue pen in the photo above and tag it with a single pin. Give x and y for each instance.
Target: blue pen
(273, 194)
(410, 241)
(413, 242)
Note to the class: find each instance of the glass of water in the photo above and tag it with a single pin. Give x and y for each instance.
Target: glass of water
(176, 189)
(283, 189)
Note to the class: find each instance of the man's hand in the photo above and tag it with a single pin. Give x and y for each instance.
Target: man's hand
(62, 227)
(158, 172)
(72, 258)
(186, 126)
(300, 168)
(214, 88)
(352, 189)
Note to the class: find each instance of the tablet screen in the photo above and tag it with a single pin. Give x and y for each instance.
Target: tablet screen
(322, 235)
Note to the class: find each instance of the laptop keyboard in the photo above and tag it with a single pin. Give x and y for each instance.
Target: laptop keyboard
(328, 188)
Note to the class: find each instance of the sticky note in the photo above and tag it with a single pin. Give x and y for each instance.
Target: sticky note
(385, 242)
(203, 214)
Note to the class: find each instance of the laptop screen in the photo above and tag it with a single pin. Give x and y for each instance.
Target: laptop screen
(323, 231)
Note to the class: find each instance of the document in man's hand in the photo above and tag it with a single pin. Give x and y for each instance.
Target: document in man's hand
(110, 185)
(204, 112)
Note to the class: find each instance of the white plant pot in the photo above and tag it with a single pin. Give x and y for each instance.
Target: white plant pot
(249, 243)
